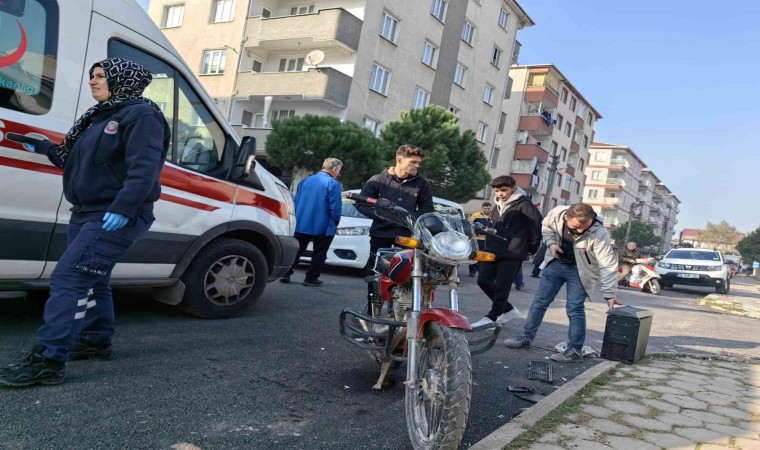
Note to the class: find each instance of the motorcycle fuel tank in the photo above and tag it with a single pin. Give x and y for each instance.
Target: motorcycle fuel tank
(400, 268)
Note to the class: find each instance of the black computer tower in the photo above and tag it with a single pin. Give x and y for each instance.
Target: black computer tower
(626, 334)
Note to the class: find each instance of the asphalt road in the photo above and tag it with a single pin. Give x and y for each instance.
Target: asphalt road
(281, 377)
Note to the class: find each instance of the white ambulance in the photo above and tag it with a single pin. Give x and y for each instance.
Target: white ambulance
(224, 224)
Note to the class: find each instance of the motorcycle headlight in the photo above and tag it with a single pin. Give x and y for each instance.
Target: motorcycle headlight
(352, 231)
(451, 245)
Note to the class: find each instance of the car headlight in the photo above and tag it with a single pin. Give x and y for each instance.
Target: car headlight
(352, 231)
(663, 265)
(714, 268)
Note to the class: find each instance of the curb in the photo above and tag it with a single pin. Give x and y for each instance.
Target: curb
(523, 422)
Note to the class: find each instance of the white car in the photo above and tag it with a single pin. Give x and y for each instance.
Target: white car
(695, 267)
(350, 247)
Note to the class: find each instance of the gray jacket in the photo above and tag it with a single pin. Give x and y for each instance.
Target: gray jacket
(594, 255)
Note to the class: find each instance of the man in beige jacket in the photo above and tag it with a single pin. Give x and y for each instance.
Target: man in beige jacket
(579, 254)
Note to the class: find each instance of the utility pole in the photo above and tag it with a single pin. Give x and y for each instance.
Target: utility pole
(630, 219)
(552, 170)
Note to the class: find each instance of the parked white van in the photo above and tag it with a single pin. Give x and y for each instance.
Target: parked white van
(224, 224)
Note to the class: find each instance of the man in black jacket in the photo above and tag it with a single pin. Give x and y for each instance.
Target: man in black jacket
(517, 222)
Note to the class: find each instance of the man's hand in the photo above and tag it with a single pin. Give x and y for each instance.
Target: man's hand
(554, 248)
(611, 302)
(113, 221)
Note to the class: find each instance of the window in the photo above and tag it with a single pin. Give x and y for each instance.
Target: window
(173, 16)
(454, 110)
(560, 121)
(266, 12)
(593, 193)
(596, 175)
(495, 157)
(429, 54)
(553, 150)
(581, 111)
(214, 62)
(389, 27)
(247, 119)
(564, 95)
(581, 164)
(568, 182)
(600, 156)
(291, 65)
(503, 18)
(375, 126)
(496, 56)
(508, 89)
(612, 194)
(573, 103)
(27, 82)
(460, 75)
(256, 66)
(482, 134)
(590, 118)
(197, 140)
(502, 122)
(559, 181)
(282, 114)
(488, 94)
(553, 203)
(585, 141)
(438, 9)
(222, 11)
(421, 98)
(563, 154)
(380, 79)
(468, 33)
(298, 10)
(568, 129)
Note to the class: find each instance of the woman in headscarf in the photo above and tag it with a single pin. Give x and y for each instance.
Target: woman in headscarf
(111, 160)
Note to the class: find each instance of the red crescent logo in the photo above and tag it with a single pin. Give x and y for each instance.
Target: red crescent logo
(14, 57)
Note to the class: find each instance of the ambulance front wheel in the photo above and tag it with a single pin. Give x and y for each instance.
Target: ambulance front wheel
(225, 278)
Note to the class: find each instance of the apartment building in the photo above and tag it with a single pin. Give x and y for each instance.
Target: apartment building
(364, 61)
(621, 187)
(544, 141)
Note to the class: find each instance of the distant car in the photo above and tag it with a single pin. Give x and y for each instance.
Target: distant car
(695, 267)
(350, 248)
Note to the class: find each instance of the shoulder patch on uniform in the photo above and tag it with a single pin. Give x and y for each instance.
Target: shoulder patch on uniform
(111, 127)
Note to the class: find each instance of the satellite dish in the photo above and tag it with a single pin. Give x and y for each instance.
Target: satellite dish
(315, 57)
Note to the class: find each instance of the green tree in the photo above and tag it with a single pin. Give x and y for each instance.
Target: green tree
(749, 247)
(722, 235)
(454, 165)
(641, 233)
(304, 143)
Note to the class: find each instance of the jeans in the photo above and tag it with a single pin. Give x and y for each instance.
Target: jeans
(519, 280)
(554, 276)
(495, 279)
(318, 256)
(80, 303)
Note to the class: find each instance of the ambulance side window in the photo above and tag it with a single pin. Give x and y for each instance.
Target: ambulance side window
(28, 54)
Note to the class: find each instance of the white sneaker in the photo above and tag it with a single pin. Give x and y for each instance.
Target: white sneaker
(507, 316)
(481, 322)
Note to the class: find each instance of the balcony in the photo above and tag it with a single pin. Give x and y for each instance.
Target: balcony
(570, 170)
(328, 27)
(259, 134)
(579, 122)
(541, 94)
(610, 221)
(325, 84)
(530, 151)
(536, 125)
(528, 182)
(575, 147)
(605, 202)
(619, 162)
(565, 194)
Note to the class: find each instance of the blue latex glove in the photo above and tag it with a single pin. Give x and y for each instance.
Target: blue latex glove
(113, 221)
(29, 147)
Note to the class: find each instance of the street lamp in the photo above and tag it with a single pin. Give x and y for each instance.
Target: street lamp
(635, 211)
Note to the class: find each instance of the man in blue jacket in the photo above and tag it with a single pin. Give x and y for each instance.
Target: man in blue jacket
(318, 205)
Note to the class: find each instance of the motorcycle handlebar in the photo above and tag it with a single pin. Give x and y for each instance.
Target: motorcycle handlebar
(375, 202)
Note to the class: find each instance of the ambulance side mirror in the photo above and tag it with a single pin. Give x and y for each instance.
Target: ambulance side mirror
(245, 159)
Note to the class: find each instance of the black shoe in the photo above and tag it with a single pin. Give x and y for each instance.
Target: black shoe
(473, 274)
(312, 282)
(33, 369)
(534, 276)
(519, 286)
(285, 279)
(88, 350)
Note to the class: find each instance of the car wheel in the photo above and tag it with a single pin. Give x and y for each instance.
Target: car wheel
(225, 278)
(724, 288)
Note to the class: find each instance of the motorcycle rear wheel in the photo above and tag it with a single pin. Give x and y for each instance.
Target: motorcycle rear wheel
(438, 406)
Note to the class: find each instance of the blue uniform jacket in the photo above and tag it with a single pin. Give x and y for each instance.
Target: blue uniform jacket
(116, 163)
(318, 205)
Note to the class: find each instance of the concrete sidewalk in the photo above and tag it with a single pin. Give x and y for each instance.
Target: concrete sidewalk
(743, 298)
(661, 402)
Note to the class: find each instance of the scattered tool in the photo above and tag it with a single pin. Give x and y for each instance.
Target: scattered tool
(540, 370)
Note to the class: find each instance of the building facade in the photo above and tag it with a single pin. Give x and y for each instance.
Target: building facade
(364, 61)
(621, 187)
(544, 141)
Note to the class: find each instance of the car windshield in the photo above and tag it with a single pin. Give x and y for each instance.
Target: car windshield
(349, 210)
(690, 254)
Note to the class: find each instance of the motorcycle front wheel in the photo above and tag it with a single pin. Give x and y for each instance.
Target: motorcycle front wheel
(653, 287)
(438, 405)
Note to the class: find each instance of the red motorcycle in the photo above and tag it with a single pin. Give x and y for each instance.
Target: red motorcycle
(401, 324)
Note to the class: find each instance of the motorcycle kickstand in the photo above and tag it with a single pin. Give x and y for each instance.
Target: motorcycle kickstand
(397, 338)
